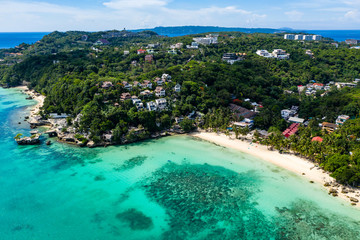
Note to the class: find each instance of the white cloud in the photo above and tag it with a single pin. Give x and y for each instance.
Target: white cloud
(125, 4)
(353, 15)
(294, 15)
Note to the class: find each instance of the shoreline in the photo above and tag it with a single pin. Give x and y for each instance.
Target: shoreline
(34, 111)
(299, 166)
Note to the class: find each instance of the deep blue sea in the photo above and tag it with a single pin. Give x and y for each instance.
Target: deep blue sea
(10, 40)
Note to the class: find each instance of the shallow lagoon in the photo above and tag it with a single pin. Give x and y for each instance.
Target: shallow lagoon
(172, 188)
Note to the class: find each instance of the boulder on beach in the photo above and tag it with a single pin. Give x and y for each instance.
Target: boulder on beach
(354, 200)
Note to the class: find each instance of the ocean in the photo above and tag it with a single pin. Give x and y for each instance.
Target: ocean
(172, 188)
(10, 40)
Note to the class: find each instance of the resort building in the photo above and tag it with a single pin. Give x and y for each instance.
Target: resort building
(241, 111)
(317, 37)
(125, 96)
(209, 39)
(351, 41)
(299, 37)
(289, 36)
(264, 53)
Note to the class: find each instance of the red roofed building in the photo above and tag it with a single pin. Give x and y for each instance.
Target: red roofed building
(317, 139)
(141, 51)
(291, 130)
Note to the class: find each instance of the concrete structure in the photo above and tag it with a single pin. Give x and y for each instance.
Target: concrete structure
(317, 37)
(151, 106)
(177, 88)
(161, 103)
(289, 36)
(299, 37)
(341, 120)
(209, 39)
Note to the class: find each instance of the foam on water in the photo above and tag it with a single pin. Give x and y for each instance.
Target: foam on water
(172, 188)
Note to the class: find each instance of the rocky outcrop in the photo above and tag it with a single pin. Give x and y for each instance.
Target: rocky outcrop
(34, 139)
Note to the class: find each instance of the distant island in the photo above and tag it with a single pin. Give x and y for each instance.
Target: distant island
(298, 95)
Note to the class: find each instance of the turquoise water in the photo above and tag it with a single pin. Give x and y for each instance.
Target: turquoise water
(171, 188)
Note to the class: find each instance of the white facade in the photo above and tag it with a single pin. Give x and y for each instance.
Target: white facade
(151, 106)
(209, 39)
(161, 103)
(317, 38)
(299, 37)
(289, 36)
(177, 88)
(308, 37)
(264, 53)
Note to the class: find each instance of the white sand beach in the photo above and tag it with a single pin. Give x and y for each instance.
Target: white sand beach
(290, 162)
(37, 97)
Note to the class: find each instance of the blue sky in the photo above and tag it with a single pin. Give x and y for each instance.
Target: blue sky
(93, 15)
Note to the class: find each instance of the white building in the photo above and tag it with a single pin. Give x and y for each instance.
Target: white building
(161, 103)
(151, 106)
(264, 53)
(137, 102)
(160, 92)
(289, 36)
(194, 45)
(177, 88)
(280, 54)
(308, 37)
(209, 39)
(299, 37)
(317, 37)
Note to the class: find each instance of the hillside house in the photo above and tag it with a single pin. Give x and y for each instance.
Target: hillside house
(125, 96)
(127, 85)
(161, 103)
(329, 127)
(177, 88)
(147, 84)
(141, 51)
(160, 92)
(149, 58)
(151, 106)
(107, 85)
(341, 120)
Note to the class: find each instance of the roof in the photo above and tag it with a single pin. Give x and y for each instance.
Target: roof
(317, 139)
(329, 125)
(296, 120)
(291, 130)
(241, 111)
